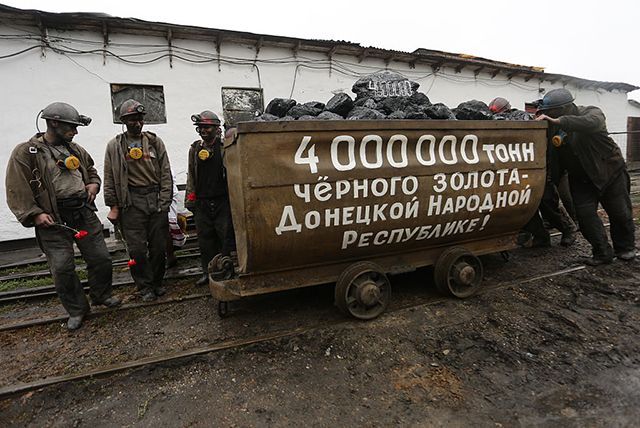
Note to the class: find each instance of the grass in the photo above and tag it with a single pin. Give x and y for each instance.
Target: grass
(22, 270)
(15, 284)
(33, 267)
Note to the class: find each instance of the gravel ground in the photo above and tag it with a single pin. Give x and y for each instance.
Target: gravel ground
(559, 351)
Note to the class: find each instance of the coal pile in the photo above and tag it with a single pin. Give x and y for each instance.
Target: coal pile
(473, 110)
(381, 96)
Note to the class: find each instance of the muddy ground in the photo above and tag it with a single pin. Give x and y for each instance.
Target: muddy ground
(562, 351)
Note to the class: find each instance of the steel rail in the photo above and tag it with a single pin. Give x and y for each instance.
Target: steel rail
(61, 318)
(120, 262)
(114, 249)
(47, 291)
(79, 267)
(10, 390)
(117, 247)
(115, 368)
(101, 312)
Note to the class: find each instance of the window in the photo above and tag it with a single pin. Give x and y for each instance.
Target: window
(241, 104)
(151, 96)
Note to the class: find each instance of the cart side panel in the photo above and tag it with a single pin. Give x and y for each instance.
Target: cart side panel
(235, 167)
(312, 193)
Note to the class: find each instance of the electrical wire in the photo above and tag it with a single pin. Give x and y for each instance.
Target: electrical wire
(200, 57)
(84, 68)
(19, 52)
(152, 53)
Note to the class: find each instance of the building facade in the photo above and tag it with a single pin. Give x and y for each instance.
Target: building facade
(95, 61)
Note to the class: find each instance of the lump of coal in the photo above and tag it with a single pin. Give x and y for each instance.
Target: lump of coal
(364, 113)
(327, 115)
(416, 114)
(398, 114)
(473, 110)
(307, 117)
(419, 99)
(266, 117)
(390, 104)
(315, 104)
(475, 105)
(365, 102)
(279, 106)
(287, 118)
(300, 110)
(384, 84)
(439, 111)
(513, 114)
(340, 104)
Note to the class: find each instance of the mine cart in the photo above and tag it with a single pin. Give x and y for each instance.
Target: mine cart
(351, 202)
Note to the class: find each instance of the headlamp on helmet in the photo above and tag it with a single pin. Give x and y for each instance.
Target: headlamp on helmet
(206, 118)
(84, 120)
(131, 107)
(66, 113)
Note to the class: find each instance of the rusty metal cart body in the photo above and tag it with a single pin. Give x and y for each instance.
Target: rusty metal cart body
(349, 202)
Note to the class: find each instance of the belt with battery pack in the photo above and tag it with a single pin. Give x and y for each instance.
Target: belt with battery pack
(71, 203)
(70, 210)
(144, 190)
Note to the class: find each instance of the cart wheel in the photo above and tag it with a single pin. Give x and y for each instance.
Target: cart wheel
(458, 273)
(226, 263)
(212, 266)
(221, 268)
(363, 291)
(223, 309)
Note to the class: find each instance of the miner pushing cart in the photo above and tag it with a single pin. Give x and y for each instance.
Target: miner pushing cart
(353, 202)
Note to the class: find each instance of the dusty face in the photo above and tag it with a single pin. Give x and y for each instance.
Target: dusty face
(554, 112)
(208, 133)
(65, 132)
(134, 124)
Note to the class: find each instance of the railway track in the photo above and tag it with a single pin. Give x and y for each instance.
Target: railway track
(191, 253)
(19, 388)
(115, 248)
(47, 291)
(101, 312)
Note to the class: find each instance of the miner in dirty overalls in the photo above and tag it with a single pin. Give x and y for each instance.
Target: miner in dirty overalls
(51, 185)
(207, 195)
(549, 209)
(138, 189)
(597, 174)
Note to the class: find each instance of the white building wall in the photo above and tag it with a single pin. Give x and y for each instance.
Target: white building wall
(31, 81)
(633, 110)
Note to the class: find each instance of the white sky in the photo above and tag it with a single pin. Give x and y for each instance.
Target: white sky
(592, 39)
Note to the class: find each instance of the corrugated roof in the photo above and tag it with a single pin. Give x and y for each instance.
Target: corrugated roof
(102, 23)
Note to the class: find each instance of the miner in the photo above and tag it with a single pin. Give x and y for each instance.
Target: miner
(138, 188)
(597, 174)
(207, 195)
(51, 184)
